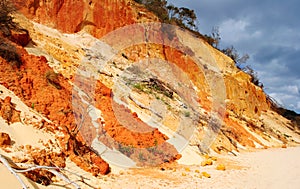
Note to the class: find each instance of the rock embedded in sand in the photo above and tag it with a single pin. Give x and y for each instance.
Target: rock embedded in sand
(214, 158)
(21, 37)
(206, 162)
(8, 111)
(205, 174)
(221, 167)
(4, 139)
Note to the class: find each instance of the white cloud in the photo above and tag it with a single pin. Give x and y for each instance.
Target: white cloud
(233, 31)
(275, 65)
(276, 96)
(285, 37)
(292, 89)
(289, 101)
(298, 106)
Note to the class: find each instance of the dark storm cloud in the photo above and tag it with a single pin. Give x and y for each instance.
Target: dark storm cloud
(279, 60)
(268, 30)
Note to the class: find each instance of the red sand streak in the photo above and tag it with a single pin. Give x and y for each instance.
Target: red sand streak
(29, 83)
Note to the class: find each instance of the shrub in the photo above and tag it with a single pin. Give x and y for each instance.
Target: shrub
(186, 18)
(52, 78)
(187, 114)
(126, 150)
(141, 157)
(6, 7)
(158, 7)
(254, 77)
(214, 38)
(9, 53)
(183, 17)
(170, 14)
(6, 20)
(7, 50)
(235, 56)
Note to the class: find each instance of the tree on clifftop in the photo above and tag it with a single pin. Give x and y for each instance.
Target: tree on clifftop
(182, 17)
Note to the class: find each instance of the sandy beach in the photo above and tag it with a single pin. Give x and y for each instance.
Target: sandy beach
(271, 168)
(264, 169)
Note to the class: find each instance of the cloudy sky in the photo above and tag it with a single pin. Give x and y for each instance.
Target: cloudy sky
(268, 30)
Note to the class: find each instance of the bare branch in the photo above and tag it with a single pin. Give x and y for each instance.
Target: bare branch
(50, 169)
(63, 177)
(12, 170)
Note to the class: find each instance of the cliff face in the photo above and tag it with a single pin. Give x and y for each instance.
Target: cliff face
(40, 88)
(248, 120)
(99, 17)
(102, 17)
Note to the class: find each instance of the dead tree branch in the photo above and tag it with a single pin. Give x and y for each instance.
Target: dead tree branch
(14, 169)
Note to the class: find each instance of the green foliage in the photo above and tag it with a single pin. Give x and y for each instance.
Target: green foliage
(139, 86)
(183, 17)
(141, 157)
(126, 150)
(214, 38)
(170, 14)
(154, 86)
(254, 77)
(235, 56)
(187, 114)
(158, 7)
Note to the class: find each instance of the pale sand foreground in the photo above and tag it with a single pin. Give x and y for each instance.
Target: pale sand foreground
(271, 168)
